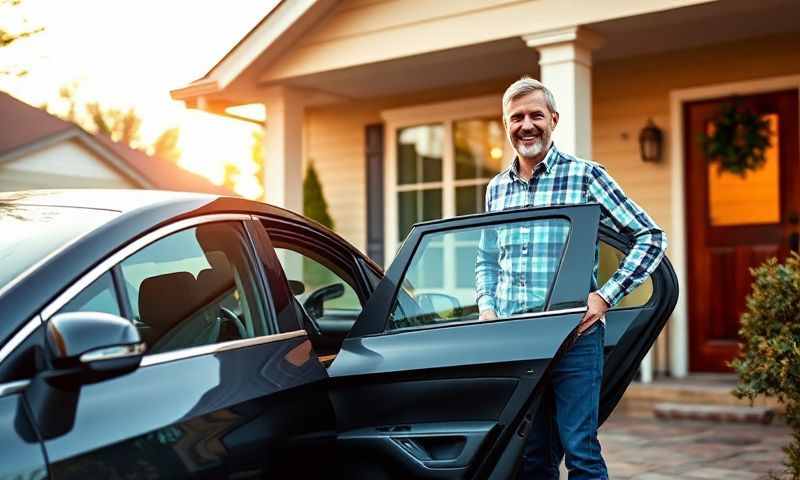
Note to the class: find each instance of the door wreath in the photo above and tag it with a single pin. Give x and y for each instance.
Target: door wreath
(737, 140)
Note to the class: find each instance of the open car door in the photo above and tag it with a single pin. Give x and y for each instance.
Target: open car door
(423, 389)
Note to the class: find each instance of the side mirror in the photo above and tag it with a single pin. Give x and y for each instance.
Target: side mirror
(83, 348)
(99, 345)
(297, 287)
(440, 304)
(314, 302)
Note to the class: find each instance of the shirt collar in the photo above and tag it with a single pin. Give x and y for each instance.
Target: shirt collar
(547, 163)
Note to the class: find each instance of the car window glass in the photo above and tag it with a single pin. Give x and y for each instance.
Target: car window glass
(327, 294)
(99, 296)
(609, 259)
(511, 266)
(194, 287)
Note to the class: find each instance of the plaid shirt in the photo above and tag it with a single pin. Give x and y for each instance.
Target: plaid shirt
(517, 262)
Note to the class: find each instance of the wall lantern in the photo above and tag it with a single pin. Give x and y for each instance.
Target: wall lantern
(650, 142)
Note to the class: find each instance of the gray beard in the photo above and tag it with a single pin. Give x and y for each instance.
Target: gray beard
(532, 151)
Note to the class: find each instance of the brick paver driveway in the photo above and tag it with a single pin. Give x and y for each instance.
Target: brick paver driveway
(649, 449)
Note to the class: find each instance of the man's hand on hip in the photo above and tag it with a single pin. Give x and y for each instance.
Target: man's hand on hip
(487, 315)
(596, 308)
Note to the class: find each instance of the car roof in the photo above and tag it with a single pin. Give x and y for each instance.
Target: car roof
(119, 200)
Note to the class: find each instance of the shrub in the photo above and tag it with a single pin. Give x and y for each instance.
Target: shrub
(314, 205)
(770, 360)
(316, 208)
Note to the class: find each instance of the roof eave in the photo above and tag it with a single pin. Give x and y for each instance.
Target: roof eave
(252, 46)
(196, 89)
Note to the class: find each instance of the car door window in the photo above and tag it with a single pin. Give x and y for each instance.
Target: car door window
(452, 275)
(327, 291)
(99, 296)
(194, 287)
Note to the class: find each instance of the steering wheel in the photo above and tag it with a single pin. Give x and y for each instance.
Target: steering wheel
(228, 315)
(309, 322)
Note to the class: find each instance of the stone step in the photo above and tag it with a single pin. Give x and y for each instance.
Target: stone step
(714, 413)
(641, 398)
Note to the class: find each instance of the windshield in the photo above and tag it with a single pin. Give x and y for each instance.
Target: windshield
(28, 233)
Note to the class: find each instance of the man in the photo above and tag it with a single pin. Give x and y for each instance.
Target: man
(541, 175)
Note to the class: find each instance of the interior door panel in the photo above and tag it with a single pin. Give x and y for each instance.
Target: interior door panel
(384, 403)
(383, 396)
(431, 450)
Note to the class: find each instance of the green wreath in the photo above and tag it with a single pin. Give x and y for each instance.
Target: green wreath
(738, 140)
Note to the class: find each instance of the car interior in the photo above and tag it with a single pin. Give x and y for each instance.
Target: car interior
(208, 307)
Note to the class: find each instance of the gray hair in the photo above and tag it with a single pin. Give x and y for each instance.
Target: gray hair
(525, 86)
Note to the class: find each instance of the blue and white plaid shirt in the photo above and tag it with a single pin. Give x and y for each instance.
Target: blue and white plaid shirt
(516, 263)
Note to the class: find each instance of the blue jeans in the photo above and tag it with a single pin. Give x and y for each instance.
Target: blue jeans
(566, 422)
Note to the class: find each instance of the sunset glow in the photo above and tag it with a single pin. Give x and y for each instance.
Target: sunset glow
(130, 55)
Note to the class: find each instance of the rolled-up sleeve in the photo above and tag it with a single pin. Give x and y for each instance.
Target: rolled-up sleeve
(625, 216)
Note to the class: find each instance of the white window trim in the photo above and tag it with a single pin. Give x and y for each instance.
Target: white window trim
(445, 113)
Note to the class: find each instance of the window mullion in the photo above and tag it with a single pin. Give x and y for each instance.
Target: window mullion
(449, 204)
(448, 172)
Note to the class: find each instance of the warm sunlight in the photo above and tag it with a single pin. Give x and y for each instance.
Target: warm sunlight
(131, 55)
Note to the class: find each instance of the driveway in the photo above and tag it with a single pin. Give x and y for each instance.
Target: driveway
(650, 449)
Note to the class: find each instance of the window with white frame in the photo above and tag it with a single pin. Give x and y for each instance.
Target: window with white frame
(440, 158)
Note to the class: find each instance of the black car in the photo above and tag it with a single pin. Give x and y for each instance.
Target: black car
(163, 335)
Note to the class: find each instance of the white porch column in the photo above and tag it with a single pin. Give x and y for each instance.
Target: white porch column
(565, 67)
(283, 148)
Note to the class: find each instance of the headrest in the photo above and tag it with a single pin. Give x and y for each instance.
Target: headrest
(165, 300)
(213, 281)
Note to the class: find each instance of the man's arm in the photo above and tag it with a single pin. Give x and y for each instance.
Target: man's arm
(487, 267)
(625, 216)
(486, 271)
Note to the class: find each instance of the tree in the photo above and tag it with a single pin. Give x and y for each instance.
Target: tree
(314, 204)
(231, 175)
(166, 145)
(7, 37)
(119, 126)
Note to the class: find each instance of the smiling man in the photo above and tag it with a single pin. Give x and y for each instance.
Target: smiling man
(509, 280)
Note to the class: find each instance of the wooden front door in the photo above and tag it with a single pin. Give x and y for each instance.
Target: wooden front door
(735, 223)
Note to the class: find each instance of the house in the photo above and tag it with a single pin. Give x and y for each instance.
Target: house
(39, 150)
(397, 103)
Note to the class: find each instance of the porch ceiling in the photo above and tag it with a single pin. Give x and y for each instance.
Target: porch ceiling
(682, 28)
(696, 26)
(459, 66)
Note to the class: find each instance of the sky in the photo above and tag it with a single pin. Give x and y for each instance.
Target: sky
(131, 54)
